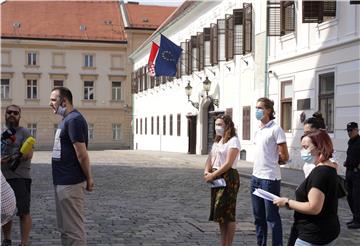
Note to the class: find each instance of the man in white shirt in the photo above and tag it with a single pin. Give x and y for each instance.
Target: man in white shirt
(271, 152)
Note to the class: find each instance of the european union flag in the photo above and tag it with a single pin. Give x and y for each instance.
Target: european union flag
(167, 58)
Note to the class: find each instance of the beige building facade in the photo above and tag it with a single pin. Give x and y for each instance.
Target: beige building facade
(99, 87)
(91, 60)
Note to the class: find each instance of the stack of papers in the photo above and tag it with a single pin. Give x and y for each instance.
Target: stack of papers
(265, 194)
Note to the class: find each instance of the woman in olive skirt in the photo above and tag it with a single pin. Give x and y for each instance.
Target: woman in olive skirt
(221, 163)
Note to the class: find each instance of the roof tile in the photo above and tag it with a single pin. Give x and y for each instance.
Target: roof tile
(62, 20)
(147, 16)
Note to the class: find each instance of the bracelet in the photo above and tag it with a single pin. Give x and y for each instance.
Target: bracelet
(287, 204)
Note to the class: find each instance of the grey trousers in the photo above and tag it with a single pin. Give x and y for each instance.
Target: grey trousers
(69, 200)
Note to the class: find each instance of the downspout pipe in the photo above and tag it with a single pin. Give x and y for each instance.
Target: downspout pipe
(266, 86)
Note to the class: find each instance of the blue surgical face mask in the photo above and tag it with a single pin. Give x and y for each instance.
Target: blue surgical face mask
(219, 131)
(307, 156)
(61, 110)
(259, 113)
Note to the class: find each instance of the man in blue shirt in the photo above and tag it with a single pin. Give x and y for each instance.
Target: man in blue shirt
(70, 168)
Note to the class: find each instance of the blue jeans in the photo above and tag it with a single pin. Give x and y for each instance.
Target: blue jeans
(265, 212)
(300, 242)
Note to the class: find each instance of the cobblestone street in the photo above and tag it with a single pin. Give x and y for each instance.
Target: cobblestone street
(150, 198)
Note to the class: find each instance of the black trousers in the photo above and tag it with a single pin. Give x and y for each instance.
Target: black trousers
(353, 187)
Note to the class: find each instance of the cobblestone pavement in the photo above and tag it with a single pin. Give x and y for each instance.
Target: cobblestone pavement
(150, 198)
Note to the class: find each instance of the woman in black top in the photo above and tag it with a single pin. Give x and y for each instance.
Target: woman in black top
(316, 201)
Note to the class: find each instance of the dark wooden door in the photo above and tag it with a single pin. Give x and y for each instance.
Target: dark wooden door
(211, 126)
(192, 134)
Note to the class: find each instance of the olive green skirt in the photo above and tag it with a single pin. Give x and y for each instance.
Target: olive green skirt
(223, 199)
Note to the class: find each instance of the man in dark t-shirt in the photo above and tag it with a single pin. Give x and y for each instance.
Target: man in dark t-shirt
(352, 164)
(70, 168)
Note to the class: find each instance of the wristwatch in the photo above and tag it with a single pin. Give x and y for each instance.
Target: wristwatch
(287, 204)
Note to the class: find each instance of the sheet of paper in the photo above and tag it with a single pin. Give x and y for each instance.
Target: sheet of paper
(218, 183)
(265, 194)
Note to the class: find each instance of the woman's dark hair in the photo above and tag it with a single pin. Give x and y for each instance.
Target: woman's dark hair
(322, 142)
(229, 129)
(316, 121)
(268, 104)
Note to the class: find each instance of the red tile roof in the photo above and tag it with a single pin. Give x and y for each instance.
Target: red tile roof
(147, 16)
(62, 20)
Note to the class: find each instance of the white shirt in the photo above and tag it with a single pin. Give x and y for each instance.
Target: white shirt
(267, 139)
(219, 152)
(307, 168)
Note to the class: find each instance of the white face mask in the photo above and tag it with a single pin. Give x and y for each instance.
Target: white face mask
(219, 130)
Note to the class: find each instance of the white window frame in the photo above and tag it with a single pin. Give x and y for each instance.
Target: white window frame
(32, 58)
(5, 90)
(89, 61)
(32, 88)
(32, 127)
(89, 89)
(90, 131)
(117, 90)
(116, 131)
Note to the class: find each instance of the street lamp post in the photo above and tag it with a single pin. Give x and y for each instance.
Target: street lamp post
(206, 88)
(188, 91)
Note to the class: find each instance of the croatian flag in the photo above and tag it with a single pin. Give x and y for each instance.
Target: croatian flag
(152, 57)
(164, 58)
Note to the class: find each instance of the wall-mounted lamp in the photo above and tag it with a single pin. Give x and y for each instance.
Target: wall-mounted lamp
(188, 91)
(229, 68)
(206, 88)
(272, 73)
(246, 62)
(207, 85)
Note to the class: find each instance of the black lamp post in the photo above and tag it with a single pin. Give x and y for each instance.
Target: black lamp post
(188, 91)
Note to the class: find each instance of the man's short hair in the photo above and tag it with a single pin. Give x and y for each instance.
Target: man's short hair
(64, 93)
